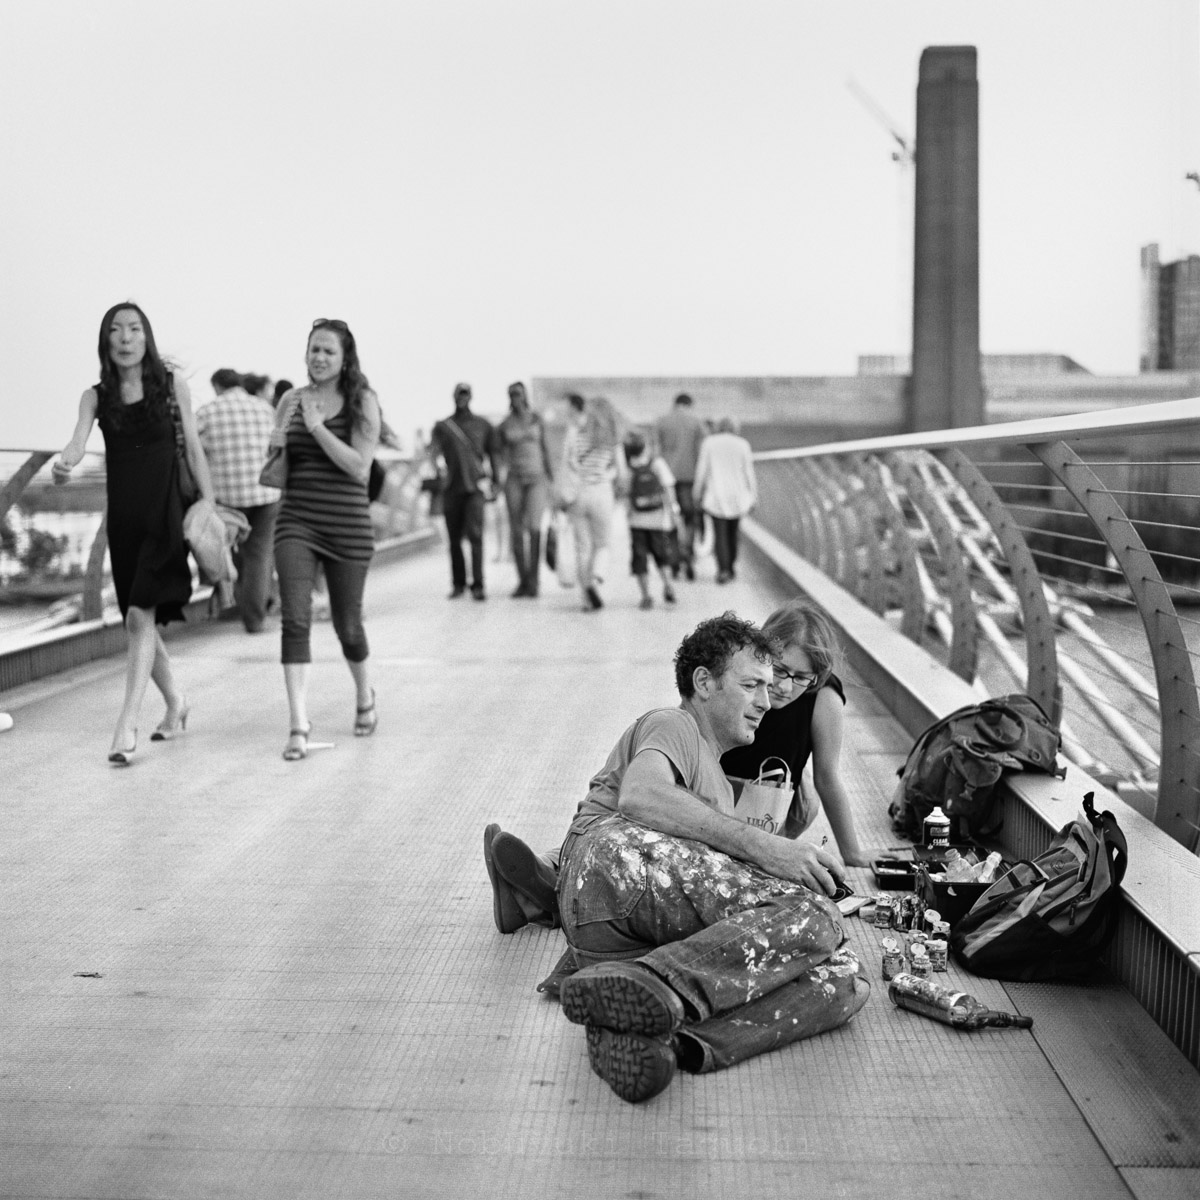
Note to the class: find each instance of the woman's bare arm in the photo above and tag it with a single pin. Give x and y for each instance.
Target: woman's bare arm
(196, 457)
(72, 453)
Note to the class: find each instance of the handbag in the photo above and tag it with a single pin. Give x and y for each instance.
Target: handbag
(275, 470)
(375, 480)
(189, 489)
(564, 538)
(766, 801)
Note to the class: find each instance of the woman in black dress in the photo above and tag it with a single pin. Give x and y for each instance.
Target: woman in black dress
(153, 581)
(332, 429)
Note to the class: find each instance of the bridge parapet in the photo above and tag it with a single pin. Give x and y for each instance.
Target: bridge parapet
(54, 567)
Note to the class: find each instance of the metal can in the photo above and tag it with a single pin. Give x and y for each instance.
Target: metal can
(938, 956)
(893, 960)
(885, 909)
(936, 830)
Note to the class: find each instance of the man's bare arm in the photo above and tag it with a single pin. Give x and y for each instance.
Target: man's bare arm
(650, 796)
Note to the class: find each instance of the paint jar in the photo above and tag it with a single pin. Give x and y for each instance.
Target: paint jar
(938, 955)
(893, 960)
(919, 964)
(885, 910)
(917, 935)
(932, 917)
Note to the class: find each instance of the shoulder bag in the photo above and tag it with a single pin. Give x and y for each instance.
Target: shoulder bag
(189, 489)
(275, 470)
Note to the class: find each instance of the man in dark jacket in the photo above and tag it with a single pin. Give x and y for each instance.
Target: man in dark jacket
(466, 445)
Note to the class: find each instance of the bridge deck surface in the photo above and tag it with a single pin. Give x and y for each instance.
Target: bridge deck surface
(225, 975)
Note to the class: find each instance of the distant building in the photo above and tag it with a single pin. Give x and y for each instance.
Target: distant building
(1170, 313)
(996, 367)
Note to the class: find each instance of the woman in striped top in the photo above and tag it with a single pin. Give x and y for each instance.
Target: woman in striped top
(332, 428)
(590, 464)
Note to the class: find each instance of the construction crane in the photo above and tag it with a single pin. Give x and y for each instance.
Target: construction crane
(905, 153)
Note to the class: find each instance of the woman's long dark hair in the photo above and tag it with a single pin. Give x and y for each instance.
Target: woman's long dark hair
(155, 372)
(352, 383)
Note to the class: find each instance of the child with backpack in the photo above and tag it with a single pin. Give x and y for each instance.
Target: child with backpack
(653, 516)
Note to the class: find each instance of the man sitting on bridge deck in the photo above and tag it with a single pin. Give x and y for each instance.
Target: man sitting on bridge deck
(708, 940)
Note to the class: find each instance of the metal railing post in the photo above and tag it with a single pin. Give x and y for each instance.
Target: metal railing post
(1178, 809)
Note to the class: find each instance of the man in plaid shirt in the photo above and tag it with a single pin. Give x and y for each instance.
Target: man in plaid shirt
(234, 430)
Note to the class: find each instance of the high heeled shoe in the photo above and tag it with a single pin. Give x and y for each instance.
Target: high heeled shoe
(297, 744)
(166, 730)
(123, 758)
(366, 719)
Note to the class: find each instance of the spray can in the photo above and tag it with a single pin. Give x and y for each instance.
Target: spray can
(936, 830)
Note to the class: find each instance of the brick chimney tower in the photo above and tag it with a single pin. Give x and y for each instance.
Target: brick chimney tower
(947, 388)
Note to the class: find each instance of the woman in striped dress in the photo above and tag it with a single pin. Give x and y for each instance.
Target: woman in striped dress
(332, 428)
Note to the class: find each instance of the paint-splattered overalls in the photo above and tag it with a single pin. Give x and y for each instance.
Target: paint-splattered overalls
(757, 959)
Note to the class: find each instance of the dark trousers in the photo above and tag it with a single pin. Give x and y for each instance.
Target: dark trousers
(254, 560)
(297, 567)
(464, 519)
(725, 542)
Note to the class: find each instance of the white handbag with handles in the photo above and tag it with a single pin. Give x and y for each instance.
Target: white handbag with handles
(764, 802)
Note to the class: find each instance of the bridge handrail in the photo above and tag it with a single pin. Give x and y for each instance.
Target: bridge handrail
(966, 546)
(1144, 418)
(401, 511)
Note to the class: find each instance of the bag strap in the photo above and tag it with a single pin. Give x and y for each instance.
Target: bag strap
(1112, 839)
(466, 441)
(787, 771)
(283, 417)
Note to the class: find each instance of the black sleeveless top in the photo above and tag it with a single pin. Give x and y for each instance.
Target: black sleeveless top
(782, 733)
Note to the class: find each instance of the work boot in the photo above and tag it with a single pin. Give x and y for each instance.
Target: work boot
(636, 1068)
(525, 873)
(506, 912)
(622, 996)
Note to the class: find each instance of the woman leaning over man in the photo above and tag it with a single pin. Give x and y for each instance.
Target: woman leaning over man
(806, 722)
(331, 428)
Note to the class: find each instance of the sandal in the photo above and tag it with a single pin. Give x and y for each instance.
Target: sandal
(366, 719)
(297, 744)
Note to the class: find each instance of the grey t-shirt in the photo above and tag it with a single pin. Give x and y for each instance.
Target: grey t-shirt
(673, 732)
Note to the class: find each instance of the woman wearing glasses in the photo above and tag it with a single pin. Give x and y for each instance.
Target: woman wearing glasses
(332, 428)
(805, 720)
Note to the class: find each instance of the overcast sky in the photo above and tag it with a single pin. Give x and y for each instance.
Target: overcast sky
(489, 190)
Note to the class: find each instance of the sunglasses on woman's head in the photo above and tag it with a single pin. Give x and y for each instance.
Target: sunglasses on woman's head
(331, 323)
